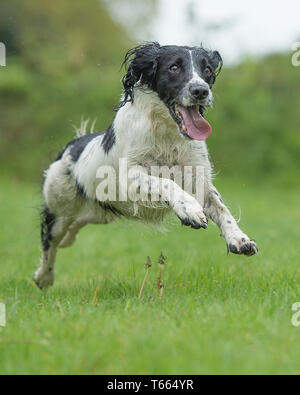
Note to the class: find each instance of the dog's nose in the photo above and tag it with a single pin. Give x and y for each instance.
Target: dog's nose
(199, 92)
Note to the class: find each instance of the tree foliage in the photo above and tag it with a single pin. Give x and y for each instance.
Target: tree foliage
(64, 64)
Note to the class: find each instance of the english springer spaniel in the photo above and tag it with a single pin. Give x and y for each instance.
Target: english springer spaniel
(159, 123)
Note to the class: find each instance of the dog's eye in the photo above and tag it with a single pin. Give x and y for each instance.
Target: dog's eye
(174, 69)
(208, 71)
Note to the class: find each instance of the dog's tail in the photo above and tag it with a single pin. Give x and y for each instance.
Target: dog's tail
(82, 130)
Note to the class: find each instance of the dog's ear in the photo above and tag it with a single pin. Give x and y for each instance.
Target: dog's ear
(217, 62)
(141, 65)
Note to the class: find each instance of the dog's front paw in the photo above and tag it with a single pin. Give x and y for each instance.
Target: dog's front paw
(191, 214)
(242, 246)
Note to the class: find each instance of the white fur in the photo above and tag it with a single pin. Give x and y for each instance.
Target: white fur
(195, 76)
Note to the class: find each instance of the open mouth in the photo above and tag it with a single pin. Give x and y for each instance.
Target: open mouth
(191, 122)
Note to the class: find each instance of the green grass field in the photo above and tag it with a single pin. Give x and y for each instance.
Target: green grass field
(218, 314)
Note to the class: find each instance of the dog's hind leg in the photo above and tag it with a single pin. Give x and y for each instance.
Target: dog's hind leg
(61, 210)
(72, 232)
(53, 231)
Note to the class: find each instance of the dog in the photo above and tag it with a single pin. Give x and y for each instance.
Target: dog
(159, 122)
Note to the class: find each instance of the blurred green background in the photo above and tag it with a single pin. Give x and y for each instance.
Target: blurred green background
(64, 64)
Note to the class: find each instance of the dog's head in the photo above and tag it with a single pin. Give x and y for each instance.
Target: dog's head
(181, 76)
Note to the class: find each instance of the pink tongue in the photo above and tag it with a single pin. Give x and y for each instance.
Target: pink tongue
(197, 127)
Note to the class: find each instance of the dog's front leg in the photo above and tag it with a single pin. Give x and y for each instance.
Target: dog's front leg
(186, 207)
(237, 241)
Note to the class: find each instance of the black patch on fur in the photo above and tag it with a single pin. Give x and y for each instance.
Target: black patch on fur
(78, 145)
(80, 190)
(109, 139)
(60, 155)
(141, 65)
(48, 221)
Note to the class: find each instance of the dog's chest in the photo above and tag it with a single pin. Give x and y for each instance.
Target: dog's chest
(170, 156)
(160, 158)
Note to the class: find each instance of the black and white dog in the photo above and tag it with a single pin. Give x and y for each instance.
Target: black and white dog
(160, 122)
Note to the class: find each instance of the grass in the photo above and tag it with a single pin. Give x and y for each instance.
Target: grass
(219, 314)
